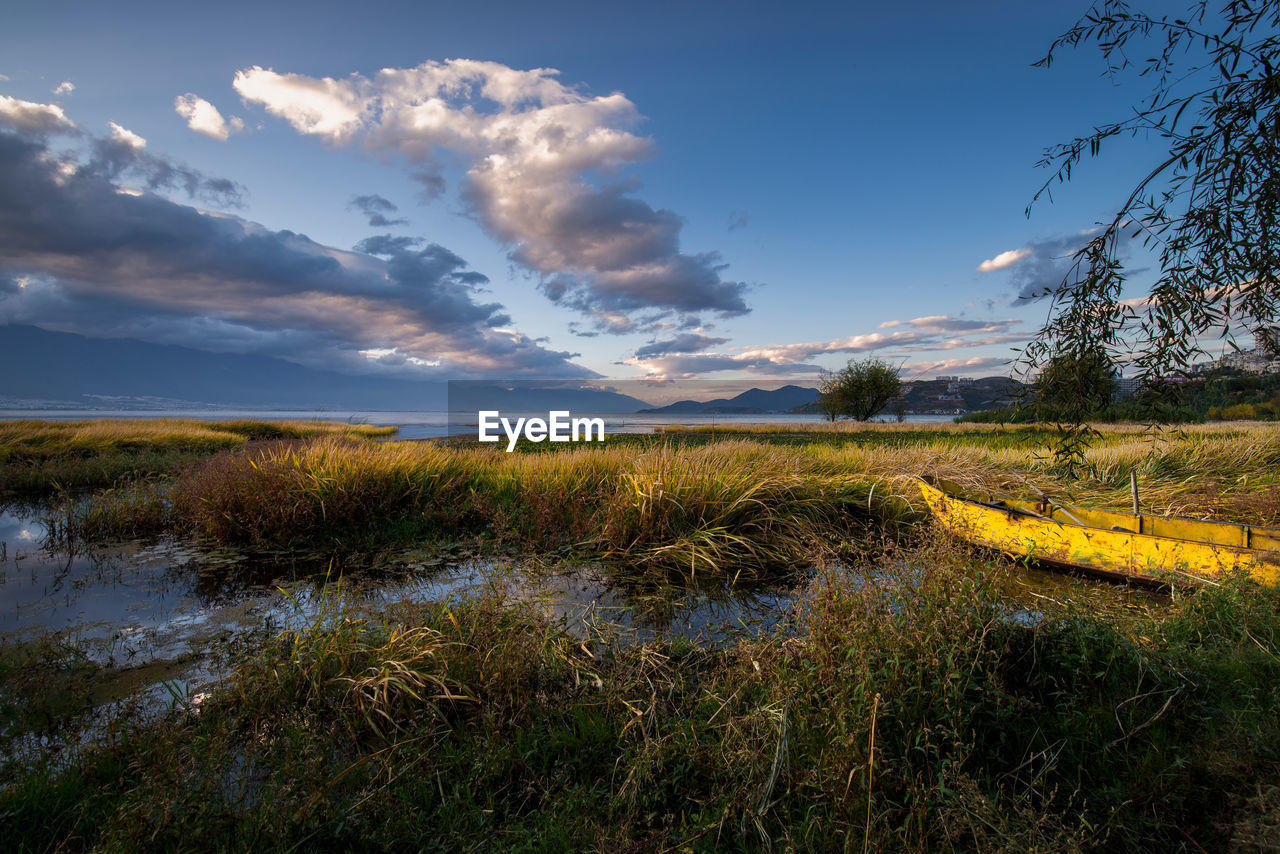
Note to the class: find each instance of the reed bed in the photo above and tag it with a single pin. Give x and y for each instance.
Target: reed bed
(916, 699)
(839, 428)
(56, 438)
(702, 506)
(1229, 472)
(1105, 431)
(133, 510)
(905, 705)
(702, 509)
(43, 456)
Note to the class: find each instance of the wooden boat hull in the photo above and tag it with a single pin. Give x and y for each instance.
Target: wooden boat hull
(1150, 549)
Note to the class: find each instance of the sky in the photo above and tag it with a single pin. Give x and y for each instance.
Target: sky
(561, 189)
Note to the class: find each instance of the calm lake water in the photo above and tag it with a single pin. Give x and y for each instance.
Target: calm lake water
(431, 424)
(160, 608)
(156, 613)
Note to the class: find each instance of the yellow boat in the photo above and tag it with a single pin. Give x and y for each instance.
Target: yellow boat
(1139, 547)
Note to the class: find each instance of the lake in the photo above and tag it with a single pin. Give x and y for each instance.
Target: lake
(154, 613)
(434, 423)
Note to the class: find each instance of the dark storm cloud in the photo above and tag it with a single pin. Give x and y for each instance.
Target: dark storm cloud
(689, 342)
(376, 208)
(98, 258)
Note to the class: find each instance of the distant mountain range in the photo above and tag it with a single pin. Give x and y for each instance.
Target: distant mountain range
(70, 370)
(749, 402)
(67, 370)
(59, 366)
(60, 370)
(471, 396)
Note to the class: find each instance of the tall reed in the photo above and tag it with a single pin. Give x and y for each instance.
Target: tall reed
(698, 509)
(42, 456)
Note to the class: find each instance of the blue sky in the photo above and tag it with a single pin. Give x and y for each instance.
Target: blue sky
(697, 190)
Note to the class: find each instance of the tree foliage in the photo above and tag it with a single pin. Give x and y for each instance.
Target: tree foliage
(1208, 209)
(1086, 381)
(858, 390)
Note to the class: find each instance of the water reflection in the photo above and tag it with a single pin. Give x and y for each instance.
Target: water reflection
(137, 604)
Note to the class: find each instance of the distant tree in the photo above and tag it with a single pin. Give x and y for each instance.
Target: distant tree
(1085, 382)
(1209, 207)
(858, 390)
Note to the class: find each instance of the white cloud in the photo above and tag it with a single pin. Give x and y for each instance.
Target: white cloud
(1003, 260)
(326, 107)
(62, 171)
(204, 118)
(393, 356)
(853, 344)
(922, 334)
(66, 87)
(31, 116)
(959, 343)
(543, 162)
(126, 136)
(945, 323)
(975, 365)
(1042, 266)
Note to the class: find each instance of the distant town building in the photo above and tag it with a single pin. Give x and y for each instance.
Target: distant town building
(1256, 361)
(1126, 387)
(1250, 361)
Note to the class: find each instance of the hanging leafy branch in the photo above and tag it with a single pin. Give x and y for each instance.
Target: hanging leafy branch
(1208, 209)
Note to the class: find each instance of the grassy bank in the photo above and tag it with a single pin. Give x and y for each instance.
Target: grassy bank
(711, 508)
(695, 502)
(909, 705)
(918, 698)
(1225, 471)
(44, 456)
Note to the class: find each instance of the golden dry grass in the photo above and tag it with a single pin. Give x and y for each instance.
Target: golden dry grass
(43, 456)
(698, 509)
(1225, 471)
(51, 438)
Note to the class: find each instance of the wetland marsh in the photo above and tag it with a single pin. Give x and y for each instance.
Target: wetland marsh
(248, 636)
